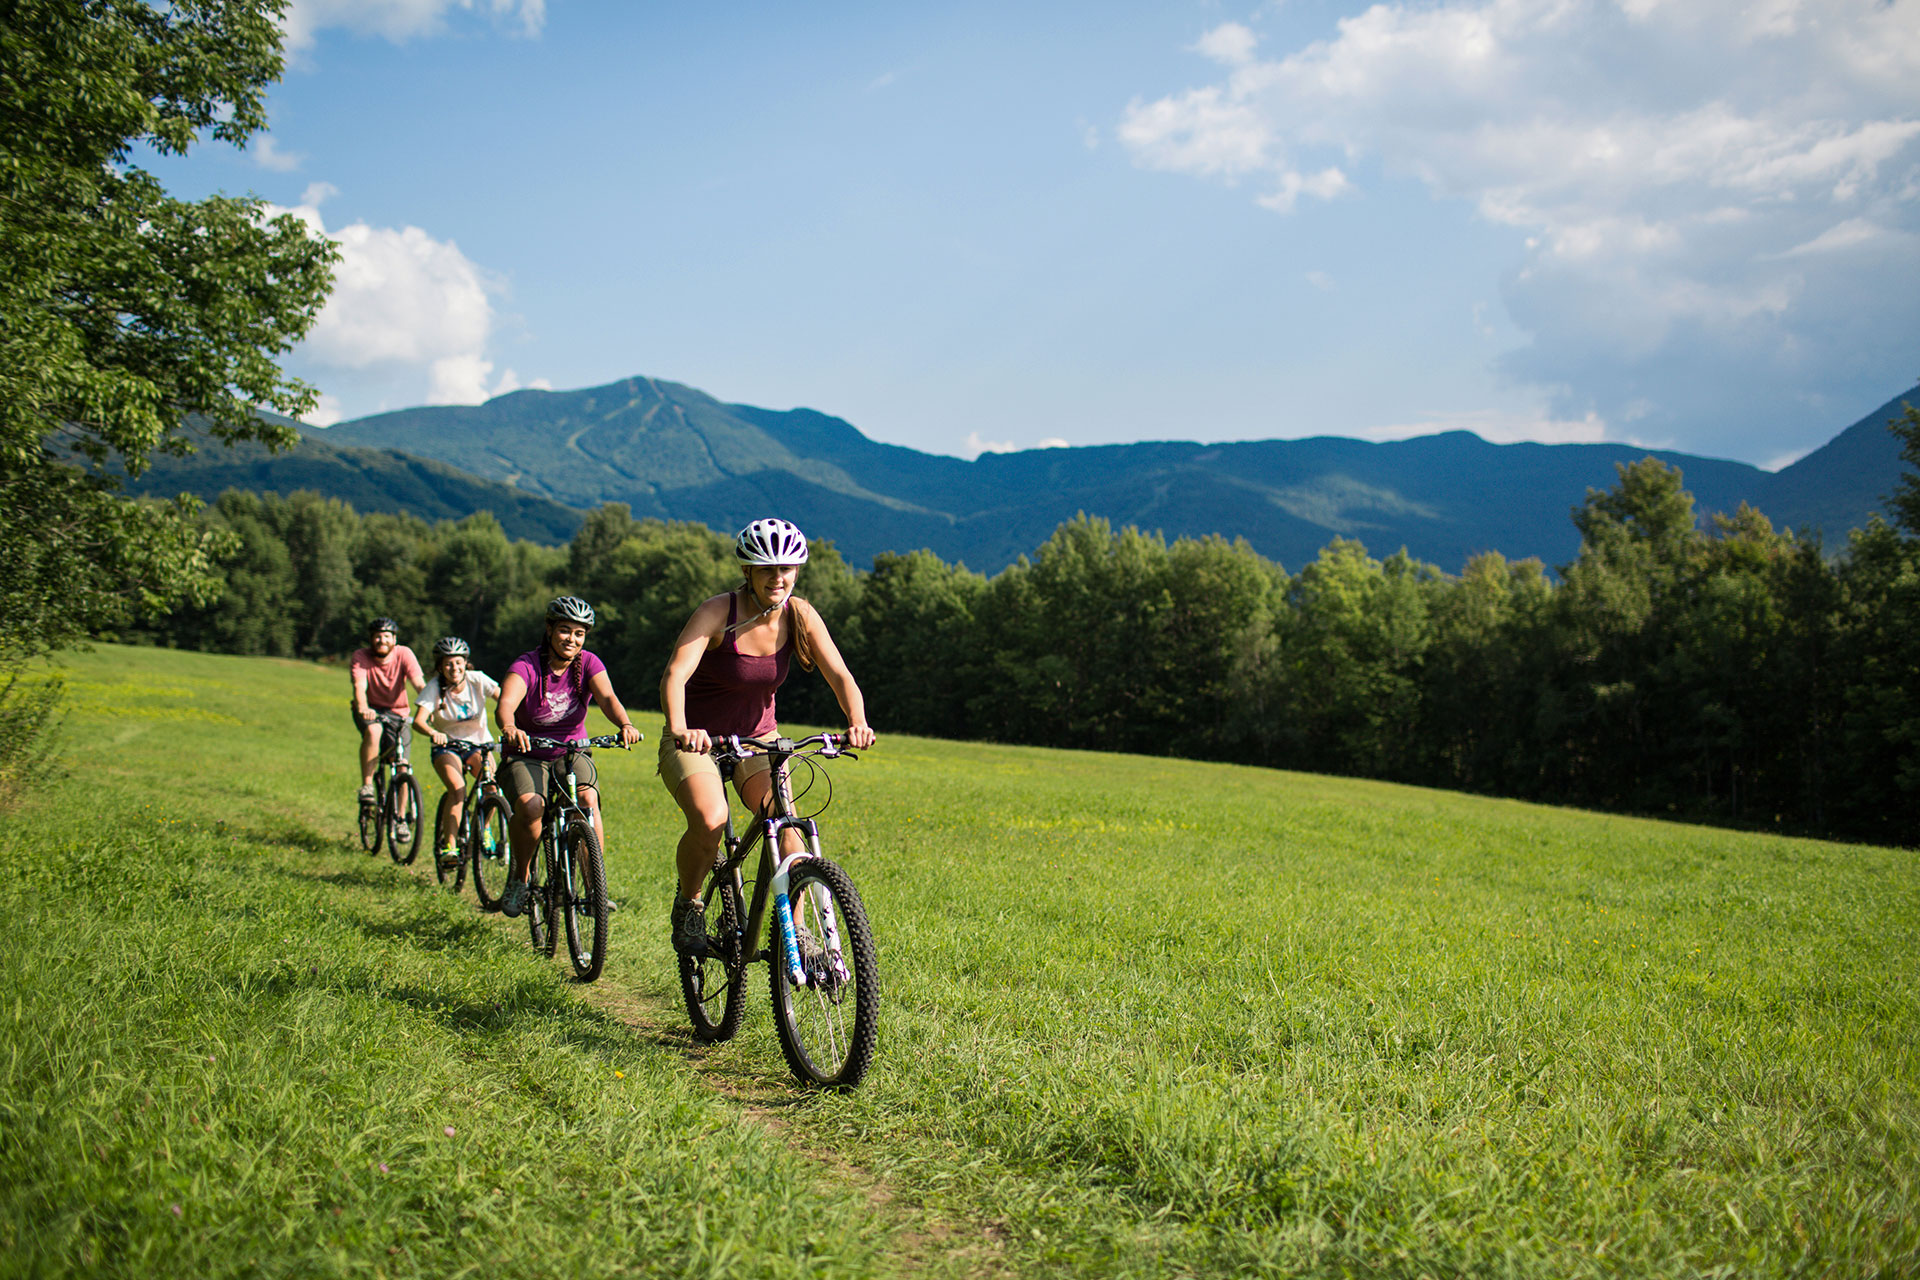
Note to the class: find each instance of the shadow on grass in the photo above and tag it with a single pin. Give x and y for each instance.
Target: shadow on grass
(288, 834)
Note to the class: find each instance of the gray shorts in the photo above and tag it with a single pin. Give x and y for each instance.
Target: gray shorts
(525, 776)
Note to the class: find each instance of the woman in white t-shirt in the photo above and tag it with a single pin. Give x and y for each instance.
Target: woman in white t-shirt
(453, 712)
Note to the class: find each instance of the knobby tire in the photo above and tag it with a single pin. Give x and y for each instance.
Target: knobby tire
(583, 900)
(403, 818)
(828, 1028)
(714, 984)
(490, 869)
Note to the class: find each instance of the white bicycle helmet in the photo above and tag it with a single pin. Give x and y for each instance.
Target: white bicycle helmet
(771, 541)
(451, 647)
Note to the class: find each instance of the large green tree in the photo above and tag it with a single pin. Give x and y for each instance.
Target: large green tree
(123, 311)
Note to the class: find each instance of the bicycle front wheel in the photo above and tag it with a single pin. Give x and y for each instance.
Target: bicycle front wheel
(370, 820)
(829, 1024)
(583, 899)
(714, 984)
(403, 818)
(490, 851)
(541, 928)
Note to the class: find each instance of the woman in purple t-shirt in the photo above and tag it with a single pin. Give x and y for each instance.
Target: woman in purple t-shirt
(731, 657)
(545, 695)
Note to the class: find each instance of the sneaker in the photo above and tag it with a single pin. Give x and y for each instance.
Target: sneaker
(514, 900)
(689, 920)
(366, 793)
(449, 857)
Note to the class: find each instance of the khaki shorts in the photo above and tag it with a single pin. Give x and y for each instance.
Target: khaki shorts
(676, 766)
(524, 776)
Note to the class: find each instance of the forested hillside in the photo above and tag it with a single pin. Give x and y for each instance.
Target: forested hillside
(674, 453)
(1733, 673)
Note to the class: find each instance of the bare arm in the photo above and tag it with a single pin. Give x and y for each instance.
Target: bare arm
(833, 667)
(360, 695)
(512, 690)
(420, 723)
(602, 690)
(701, 633)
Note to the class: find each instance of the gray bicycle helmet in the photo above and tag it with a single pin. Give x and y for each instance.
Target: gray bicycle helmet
(382, 623)
(570, 609)
(771, 541)
(451, 647)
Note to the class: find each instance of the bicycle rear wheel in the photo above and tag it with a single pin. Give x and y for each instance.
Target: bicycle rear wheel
(583, 899)
(829, 1026)
(540, 922)
(403, 818)
(490, 850)
(714, 984)
(371, 824)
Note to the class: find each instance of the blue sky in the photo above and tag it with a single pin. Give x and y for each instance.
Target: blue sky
(1693, 225)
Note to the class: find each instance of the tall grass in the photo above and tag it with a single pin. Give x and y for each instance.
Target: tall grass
(1141, 1017)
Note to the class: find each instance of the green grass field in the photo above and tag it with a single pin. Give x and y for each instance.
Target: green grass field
(1142, 1017)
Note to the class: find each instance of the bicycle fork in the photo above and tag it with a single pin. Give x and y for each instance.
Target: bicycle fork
(817, 893)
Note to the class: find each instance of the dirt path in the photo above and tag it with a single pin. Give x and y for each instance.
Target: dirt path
(921, 1242)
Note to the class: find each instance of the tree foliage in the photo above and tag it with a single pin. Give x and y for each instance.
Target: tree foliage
(123, 311)
(1729, 672)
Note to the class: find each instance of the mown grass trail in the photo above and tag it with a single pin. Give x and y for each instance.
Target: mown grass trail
(1142, 1017)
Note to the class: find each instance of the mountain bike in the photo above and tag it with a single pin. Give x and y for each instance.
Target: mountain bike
(483, 840)
(822, 969)
(569, 878)
(393, 815)
(470, 834)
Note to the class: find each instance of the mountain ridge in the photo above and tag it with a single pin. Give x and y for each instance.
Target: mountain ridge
(674, 452)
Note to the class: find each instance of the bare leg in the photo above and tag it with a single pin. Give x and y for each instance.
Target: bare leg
(525, 831)
(704, 801)
(369, 751)
(448, 767)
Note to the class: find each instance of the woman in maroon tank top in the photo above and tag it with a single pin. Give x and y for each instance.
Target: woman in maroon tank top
(729, 661)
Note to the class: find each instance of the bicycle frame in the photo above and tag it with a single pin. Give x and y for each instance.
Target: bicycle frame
(770, 879)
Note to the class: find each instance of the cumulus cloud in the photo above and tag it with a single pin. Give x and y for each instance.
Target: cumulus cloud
(402, 20)
(1716, 205)
(409, 320)
(268, 155)
(975, 445)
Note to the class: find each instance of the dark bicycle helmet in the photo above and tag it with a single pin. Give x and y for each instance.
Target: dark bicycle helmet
(450, 647)
(771, 541)
(570, 609)
(382, 623)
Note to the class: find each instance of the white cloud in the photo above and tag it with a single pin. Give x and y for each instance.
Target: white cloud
(268, 155)
(401, 20)
(1712, 201)
(326, 413)
(1052, 442)
(1229, 44)
(1321, 281)
(409, 317)
(974, 446)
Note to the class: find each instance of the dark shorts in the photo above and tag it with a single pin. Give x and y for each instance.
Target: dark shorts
(466, 752)
(394, 728)
(523, 776)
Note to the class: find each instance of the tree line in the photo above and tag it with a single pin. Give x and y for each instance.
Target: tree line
(1729, 673)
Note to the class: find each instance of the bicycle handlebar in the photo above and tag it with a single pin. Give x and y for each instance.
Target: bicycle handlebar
(578, 744)
(734, 747)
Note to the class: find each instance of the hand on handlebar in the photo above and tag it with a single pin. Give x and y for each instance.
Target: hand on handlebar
(439, 738)
(698, 741)
(628, 736)
(860, 736)
(517, 739)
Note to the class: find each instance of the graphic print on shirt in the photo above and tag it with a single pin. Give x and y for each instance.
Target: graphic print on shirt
(556, 703)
